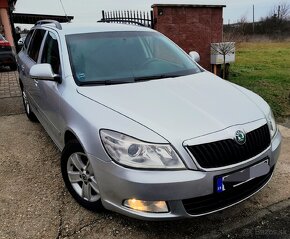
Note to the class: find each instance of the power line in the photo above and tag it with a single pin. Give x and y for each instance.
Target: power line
(64, 10)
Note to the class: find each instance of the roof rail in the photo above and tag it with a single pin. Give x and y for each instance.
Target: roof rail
(56, 23)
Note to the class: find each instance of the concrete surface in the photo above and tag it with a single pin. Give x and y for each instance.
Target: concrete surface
(9, 85)
(10, 94)
(35, 204)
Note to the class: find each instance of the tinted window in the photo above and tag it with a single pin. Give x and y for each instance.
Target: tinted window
(120, 56)
(27, 39)
(51, 53)
(35, 44)
(2, 38)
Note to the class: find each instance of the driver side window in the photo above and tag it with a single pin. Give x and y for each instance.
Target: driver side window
(50, 53)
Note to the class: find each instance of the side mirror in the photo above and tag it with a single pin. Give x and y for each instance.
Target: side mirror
(195, 56)
(43, 72)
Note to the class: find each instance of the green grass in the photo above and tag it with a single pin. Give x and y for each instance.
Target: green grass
(265, 69)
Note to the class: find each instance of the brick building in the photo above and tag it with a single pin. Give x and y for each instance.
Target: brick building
(193, 27)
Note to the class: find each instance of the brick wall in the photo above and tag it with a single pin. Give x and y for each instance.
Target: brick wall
(3, 3)
(192, 27)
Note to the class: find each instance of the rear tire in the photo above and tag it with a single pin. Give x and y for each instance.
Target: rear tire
(79, 178)
(30, 115)
(13, 67)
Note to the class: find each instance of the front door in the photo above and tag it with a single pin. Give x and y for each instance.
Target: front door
(50, 91)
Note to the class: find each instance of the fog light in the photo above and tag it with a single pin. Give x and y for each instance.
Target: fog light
(146, 206)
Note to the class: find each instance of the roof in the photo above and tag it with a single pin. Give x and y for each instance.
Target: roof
(33, 18)
(188, 5)
(12, 1)
(77, 28)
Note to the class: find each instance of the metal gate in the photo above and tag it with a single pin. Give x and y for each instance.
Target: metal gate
(129, 17)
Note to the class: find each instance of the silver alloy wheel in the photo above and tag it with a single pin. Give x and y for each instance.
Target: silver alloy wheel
(81, 177)
(26, 103)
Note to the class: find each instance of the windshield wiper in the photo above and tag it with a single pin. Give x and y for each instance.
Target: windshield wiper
(135, 79)
(104, 82)
(156, 77)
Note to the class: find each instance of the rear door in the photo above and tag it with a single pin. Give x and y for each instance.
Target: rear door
(22, 59)
(30, 58)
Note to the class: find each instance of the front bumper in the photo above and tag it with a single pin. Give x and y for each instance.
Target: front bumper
(117, 184)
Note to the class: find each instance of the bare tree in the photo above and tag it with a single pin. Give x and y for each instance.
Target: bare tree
(278, 18)
(281, 11)
(224, 49)
(243, 24)
(231, 37)
(284, 11)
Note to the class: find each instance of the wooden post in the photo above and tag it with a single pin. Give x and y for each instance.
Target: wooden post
(215, 69)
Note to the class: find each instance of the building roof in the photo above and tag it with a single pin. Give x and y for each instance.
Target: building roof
(26, 18)
(188, 5)
(12, 1)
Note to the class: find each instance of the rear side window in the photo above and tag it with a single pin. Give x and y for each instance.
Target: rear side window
(35, 44)
(27, 39)
(50, 53)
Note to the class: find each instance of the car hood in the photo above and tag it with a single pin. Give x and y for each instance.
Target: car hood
(179, 108)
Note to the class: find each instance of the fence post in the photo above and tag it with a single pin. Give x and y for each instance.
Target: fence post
(129, 17)
(103, 15)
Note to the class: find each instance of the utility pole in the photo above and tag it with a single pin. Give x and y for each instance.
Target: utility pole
(253, 19)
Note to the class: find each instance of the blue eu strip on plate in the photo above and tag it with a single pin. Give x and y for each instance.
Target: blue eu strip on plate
(220, 184)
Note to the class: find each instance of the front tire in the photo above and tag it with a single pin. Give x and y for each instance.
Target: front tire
(79, 178)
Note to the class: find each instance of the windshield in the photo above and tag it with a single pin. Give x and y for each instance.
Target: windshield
(122, 57)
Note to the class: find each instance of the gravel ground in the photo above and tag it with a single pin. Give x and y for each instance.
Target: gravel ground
(35, 204)
(267, 227)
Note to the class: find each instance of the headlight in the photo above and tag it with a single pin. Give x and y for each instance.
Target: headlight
(272, 124)
(134, 153)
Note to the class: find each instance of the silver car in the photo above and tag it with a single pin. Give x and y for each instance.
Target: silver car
(143, 129)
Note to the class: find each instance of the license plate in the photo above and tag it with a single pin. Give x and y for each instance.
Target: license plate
(226, 182)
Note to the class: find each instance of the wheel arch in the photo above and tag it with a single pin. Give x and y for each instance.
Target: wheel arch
(69, 136)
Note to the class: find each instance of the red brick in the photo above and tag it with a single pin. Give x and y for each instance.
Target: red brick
(166, 19)
(168, 29)
(193, 29)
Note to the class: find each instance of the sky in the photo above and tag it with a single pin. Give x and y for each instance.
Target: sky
(90, 10)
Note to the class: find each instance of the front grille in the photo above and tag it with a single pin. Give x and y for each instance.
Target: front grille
(227, 152)
(216, 201)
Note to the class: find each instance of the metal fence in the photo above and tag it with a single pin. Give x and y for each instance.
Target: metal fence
(129, 17)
